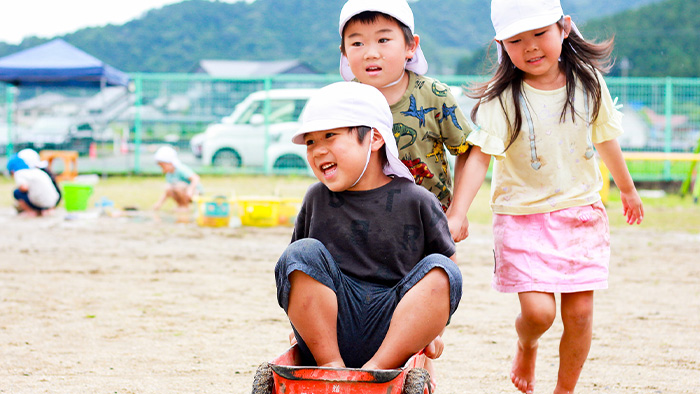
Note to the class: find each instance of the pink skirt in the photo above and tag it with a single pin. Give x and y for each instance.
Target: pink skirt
(564, 251)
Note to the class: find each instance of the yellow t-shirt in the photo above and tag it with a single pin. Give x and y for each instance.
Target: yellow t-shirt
(554, 168)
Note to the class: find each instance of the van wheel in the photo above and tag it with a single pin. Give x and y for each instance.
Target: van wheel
(290, 162)
(226, 158)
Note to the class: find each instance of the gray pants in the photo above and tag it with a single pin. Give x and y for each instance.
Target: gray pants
(364, 309)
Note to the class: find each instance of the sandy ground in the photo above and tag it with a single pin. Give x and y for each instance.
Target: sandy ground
(129, 305)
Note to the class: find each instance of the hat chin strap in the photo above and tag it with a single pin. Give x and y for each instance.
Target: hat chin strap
(403, 71)
(369, 154)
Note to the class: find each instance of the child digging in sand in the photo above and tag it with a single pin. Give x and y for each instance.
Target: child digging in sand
(36, 194)
(182, 183)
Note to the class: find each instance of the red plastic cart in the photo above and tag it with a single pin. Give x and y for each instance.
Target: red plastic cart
(283, 375)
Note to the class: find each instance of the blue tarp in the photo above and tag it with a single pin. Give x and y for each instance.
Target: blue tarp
(58, 63)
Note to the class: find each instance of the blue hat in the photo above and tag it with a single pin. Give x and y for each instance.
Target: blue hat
(15, 164)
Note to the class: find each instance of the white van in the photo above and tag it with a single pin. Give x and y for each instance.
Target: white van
(240, 140)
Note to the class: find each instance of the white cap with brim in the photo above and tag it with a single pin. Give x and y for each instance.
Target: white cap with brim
(32, 158)
(398, 9)
(349, 104)
(166, 154)
(512, 17)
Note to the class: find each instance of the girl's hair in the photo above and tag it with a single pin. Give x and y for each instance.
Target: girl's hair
(367, 17)
(579, 59)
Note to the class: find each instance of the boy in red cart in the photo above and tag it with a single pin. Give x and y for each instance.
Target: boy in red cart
(369, 278)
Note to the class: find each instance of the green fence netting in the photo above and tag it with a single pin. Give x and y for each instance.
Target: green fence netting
(227, 126)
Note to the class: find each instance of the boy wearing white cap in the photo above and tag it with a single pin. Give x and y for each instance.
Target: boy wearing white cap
(369, 278)
(182, 183)
(379, 48)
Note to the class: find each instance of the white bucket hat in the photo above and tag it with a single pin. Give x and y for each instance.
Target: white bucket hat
(32, 158)
(348, 104)
(398, 9)
(166, 154)
(512, 17)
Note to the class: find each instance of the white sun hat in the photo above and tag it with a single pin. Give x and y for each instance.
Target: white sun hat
(512, 17)
(349, 104)
(32, 158)
(398, 9)
(166, 154)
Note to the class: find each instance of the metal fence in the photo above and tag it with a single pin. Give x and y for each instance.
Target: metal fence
(661, 114)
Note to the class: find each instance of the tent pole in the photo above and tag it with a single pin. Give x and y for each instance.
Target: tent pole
(9, 101)
(137, 123)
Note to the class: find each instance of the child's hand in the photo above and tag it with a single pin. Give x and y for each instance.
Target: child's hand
(632, 207)
(459, 227)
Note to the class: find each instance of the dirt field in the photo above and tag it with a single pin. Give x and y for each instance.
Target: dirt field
(132, 305)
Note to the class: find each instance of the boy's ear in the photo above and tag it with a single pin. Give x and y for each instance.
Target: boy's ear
(377, 140)
(412, 46)
(342, 51)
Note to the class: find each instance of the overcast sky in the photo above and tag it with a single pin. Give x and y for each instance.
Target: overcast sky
(49, 18)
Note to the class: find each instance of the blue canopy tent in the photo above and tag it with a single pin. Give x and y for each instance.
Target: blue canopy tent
(58, 63)
(55, 64)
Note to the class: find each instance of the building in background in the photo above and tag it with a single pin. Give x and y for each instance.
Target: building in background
(251, 69)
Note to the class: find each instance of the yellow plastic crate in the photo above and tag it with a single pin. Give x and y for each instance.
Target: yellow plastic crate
(214, 211)
(289, 208)
(260, 211)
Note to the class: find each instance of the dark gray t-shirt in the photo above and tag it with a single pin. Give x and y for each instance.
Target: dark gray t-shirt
(376, 235)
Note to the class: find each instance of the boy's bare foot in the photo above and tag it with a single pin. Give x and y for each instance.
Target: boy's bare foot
(523, 372)
(28, 213)
(334, 364)
(430, 367)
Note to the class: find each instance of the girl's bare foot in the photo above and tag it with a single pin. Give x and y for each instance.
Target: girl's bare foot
(523, 372)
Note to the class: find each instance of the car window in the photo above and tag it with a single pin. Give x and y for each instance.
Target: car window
(286, 110)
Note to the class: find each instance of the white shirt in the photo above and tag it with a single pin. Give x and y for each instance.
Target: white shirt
(42, 192)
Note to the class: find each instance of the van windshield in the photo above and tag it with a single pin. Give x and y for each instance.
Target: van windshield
(280, 111)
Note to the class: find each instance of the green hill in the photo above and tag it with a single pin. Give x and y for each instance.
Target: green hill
(174, 38)
(658, 40)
